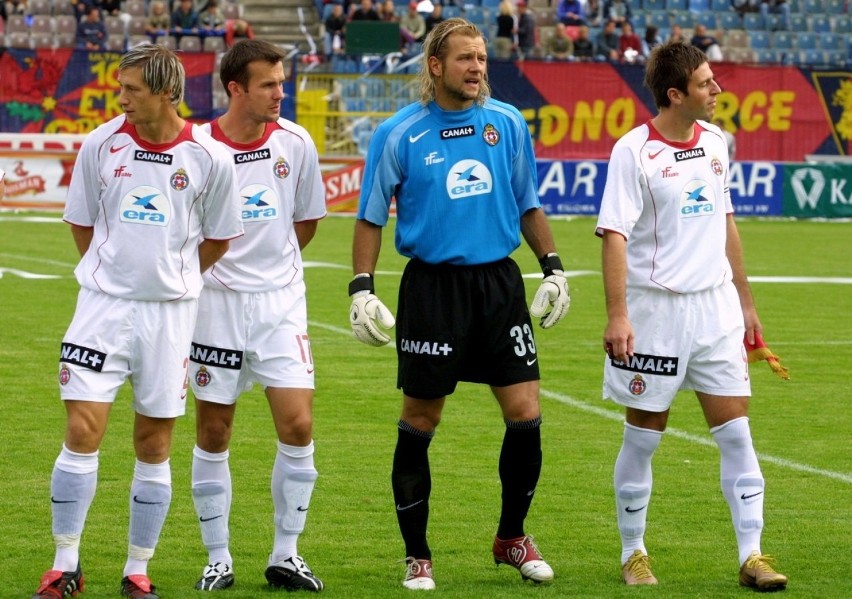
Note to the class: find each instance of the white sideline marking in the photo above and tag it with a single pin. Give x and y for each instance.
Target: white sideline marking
(619, 417)
(26, 275)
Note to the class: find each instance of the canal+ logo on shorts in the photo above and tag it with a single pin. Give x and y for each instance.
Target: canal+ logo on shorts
(468, 178)
(146, 205)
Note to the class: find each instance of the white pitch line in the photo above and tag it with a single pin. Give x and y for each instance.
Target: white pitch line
(619, 417)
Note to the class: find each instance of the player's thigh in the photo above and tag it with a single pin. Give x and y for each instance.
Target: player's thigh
(163, 335)
(718, 364)
(279, 351)
(651, 378)
(217, 369)
(95, 354)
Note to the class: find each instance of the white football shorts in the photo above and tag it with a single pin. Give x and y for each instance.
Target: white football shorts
(242, 338)
(112, 339)
(681, 341)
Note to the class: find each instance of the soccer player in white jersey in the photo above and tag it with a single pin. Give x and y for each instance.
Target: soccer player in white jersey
(462, 170)
(151, 205)
(252, 324)
(678, 304)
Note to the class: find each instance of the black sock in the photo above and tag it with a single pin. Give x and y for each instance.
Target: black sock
(520, 467)
(412, 484)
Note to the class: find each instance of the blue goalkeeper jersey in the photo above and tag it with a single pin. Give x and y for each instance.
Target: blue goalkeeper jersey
(461, 180)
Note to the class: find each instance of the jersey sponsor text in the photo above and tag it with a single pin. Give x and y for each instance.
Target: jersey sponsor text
(468, 178)
(689, 154)
(659, 365)
(82, 356)
(262, 154)
(216, 356)
(431, 348)
(457, 132)
(153, 157)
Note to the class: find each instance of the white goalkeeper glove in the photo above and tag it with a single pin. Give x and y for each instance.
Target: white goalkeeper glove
(552, 299)
(367, 313)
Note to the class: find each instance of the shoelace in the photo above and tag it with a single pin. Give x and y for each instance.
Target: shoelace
(640, 568)
(762, 563)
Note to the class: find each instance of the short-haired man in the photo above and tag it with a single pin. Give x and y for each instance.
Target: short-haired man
(151, 206)
(673, 322)
(253, 311)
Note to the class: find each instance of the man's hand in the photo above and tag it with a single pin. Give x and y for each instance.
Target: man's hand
(365, 313)
(552, 299)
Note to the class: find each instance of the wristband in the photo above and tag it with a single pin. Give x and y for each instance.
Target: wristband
(549, 263)
(361, 282)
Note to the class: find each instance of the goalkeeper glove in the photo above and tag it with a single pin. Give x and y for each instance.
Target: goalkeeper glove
(367, 313)
(552, 299)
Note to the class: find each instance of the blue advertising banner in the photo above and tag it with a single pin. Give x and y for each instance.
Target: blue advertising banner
(575, 187)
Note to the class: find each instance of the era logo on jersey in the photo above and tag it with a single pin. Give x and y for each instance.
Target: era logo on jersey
(468, 178)
(259, 203)
(146, 205)
(697, 199)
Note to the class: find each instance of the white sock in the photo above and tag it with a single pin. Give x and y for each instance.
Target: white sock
(293, 478)
(211, 494)
(633, 482)
(72, 489)
(742, 483)
(150, 497)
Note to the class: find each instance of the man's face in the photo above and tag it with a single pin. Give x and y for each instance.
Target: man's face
(459, 77)
(700, 103)
(261, 101)
(140, 106)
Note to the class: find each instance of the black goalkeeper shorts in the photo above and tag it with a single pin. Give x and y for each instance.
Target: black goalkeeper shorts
(463, 323)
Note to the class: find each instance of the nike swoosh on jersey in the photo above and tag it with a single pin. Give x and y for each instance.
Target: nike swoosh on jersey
(653, 155)
(414, 138)
(113, 149)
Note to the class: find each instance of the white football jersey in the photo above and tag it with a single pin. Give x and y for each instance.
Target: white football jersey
(670, 201)
(279, 182)
(150, 206)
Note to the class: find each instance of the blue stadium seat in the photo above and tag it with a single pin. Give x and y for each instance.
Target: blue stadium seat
(476, 14)
(843, 24)
(684, 18)
(812, 57)
(759, 40)
(699, 6)
(677, 4)
(658, 18)
(753, 21)
(834, 7)
(451, 11)
(767, 55)
(783, 40)
(812, 6)
(707, 18)
(820, 23)
(654, 5)
(831, 41)
(806, 40)
(838, 58)
(729, 20)
(721, 6)
(799, 22)
(492, 4)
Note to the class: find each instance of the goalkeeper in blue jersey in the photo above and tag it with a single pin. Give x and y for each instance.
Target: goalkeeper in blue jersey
(461, 168)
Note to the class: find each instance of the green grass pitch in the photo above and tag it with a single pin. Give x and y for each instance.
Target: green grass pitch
(801, 427)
